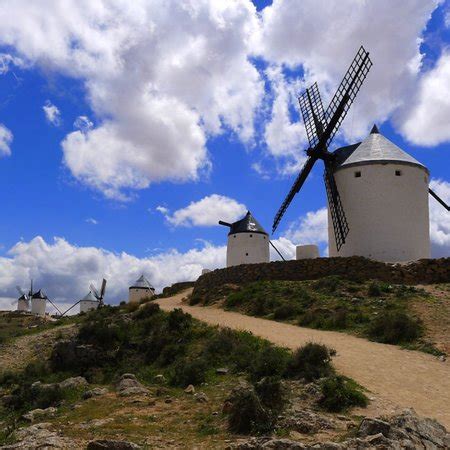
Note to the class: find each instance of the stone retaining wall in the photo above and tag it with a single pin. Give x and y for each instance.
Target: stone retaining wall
(424, 271)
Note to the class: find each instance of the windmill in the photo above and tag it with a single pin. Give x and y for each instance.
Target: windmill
(382, 187)
(321, 127)
(92, 300)
(24, 300)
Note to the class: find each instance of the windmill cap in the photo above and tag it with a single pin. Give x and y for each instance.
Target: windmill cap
(142, 283)
(89, 297)
(248, 224)
(39, 294)
(375, 148)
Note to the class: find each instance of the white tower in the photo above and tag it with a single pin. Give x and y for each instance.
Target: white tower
(88, 303)
(140, 289)
(384, 193)
(38, 303)
(23, 303)
(248, 242)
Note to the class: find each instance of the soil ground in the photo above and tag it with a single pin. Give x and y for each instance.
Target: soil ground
(396, 378)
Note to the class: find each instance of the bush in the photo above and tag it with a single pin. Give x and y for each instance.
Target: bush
(286, 311)
(178, 321)
(310, 362)
(186, 372)
(394, 328)
(248, 415)
(328, 284)
(272, 393)
(147, 310)
(270, 362)
(340, 393)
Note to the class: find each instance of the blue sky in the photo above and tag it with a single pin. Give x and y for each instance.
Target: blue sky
(237, 136)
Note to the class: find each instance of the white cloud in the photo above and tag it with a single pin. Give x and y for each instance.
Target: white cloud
(92, 221)
(285, 139)
(6, 137)
(65, 271)
(440, 220)
(83, 123)
(322, 37)
(52, 113)
(161, 77)
(427, 121)
(309, 229)
(206, 212)
(162, 210)
(6, 61)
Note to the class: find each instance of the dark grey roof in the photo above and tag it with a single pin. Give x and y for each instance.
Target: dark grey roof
(247, 225)
(142, 283)
(23, 297)
(375, 148)
(39, 294)
(89, 298)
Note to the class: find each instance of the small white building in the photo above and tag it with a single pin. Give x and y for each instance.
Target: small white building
(88, 303)
(23, 303)
(248, 242)
(38, 303)
(141, 289)
(384, 193)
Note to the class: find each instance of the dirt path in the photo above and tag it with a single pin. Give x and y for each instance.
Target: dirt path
(17, 354)
(396, 378)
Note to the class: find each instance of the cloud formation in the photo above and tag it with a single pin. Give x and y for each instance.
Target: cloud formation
(6, 137)
(440, 220)
(52, 113)
(205, 212)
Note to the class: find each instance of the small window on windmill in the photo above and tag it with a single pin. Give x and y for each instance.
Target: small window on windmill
(358, 174)
(246, 254)
(398, 173)
(251, 235)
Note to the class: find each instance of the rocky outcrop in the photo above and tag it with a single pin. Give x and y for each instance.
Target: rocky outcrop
(424, 271)
(106, 444)
(129, 385)
(96, 392)
(41, 436)
(401, 431)
(38, 414)
(73, 383)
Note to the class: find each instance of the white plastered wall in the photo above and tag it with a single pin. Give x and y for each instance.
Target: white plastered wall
(38, 306)
(86, 306)
(22, 305)
(247, 248)
(387, 214)
(137, 294)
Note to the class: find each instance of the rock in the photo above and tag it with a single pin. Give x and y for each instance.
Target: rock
(39, 436)
(268, 443)
(305, 421)
(96, 423)
(38, 413)
(161, 379)
(96, 392)
(129, 385)
(105, 444)
(442, 358)
(190, 389)
(168, 400)
(222, 371)
(73, 382)
(201, 397)
(369, 427)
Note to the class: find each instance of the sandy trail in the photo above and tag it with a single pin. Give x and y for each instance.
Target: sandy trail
(396, 378)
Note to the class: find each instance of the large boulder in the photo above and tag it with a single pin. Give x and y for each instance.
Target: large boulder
(106, 444)
(37, 414)
(73, 382)
(129, 385)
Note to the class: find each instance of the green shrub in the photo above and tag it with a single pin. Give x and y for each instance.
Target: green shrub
(340, 393)
(328, 284)
(310, 362)
(394, 328)
(186, 372)
(178, 321)
(285, 311)
(272, 393)
(147, 310)
(248, 415)
(270, 362)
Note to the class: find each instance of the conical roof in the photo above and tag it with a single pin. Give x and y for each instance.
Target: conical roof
(89, 298)
(23, 297)
(142, 283)
(375, 148)
(39, 294)
(247, 225)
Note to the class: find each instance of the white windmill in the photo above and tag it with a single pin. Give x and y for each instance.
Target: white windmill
(24, 301)
(140, 289)
(92, 300)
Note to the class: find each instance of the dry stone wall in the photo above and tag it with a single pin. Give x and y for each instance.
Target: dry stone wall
(424, 271)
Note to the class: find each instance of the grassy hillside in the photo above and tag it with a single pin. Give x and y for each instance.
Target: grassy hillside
(395, 314)
(236, 383)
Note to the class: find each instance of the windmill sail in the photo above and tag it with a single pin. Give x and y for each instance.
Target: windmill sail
(312, 113)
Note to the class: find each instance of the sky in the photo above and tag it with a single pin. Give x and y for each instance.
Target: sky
(128, 129)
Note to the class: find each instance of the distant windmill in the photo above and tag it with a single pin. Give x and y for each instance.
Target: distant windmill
(93, 300)
(384, 189)
(24, 301)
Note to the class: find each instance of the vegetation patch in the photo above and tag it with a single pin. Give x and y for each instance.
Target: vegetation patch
(379, 311)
